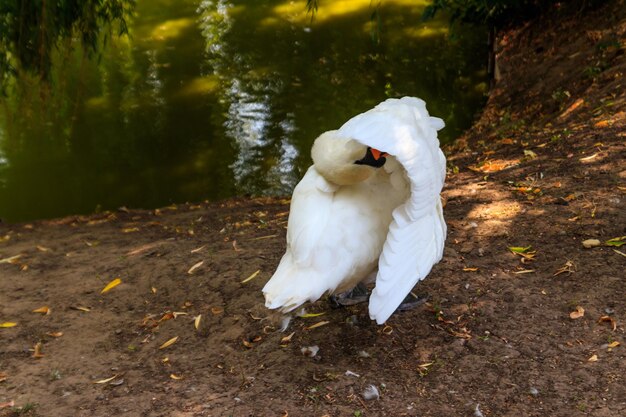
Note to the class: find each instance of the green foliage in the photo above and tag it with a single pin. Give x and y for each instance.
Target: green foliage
(495, 13)
(498, 13)
(29, 29)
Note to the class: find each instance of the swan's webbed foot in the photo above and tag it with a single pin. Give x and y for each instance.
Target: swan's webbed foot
(411, 301)
(356, 295)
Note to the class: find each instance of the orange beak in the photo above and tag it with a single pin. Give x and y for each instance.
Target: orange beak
(378, 154)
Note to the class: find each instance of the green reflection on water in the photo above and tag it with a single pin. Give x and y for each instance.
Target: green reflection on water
(210, 99)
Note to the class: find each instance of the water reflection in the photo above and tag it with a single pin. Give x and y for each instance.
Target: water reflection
(209, 99)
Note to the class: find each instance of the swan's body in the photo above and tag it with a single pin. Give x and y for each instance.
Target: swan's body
(348, 218)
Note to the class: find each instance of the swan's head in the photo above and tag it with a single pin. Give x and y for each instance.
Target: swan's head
(344, 161)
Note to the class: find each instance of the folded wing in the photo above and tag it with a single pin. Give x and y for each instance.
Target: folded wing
(403, 128)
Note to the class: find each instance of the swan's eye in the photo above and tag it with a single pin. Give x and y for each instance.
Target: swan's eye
(373, 157)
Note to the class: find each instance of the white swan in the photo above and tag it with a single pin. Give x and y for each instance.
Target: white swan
(349, 214)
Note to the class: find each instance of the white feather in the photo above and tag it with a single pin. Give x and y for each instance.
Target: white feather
(344, 217)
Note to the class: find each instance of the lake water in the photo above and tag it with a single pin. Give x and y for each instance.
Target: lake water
(212, 99)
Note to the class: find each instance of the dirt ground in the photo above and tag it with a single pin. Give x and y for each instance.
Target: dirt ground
(538, 333)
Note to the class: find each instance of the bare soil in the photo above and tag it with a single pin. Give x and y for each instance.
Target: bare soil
(543, 167)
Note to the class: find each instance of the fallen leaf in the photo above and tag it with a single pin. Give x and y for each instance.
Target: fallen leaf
(468, 269)
(287, 339)
(174, 376)
(169, 342)
(524, 271)
(590, 243)
(530, 154)
(610, 320)
(217, 310)
(525, 252)
(55, 334)
(179, 313)
(42, 310)
(7, 404)
(316, 325)
(42, 248)
(196, 321)
(111, 285)
(37, 351)
(616, 241)
(520, 249)
(10, 259)
(104, 381)
(578, 313)
(265, 237)
(7, 324)
(153, 290)
(613, 345)
(567, 268)
(130, 230)
(3, 377)
(194, 267)
(593, 358)
(251, 277)
(196, 250)
(308, 315)
(588, 158)
(247, 344)
(143, 248)
(80, 308)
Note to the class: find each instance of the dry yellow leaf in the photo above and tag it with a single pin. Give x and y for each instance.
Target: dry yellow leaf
(468, 269)
(179, 313)
(111, 285)
(154, 290)
(194, 267)
(42, 310)
(578, 313)
(613, 345)
(7, 324)
(593, 358)
(55, 334)
(169, 342)
(104, 381)
(80, 308)
(37, 351)
(196, 321)
(251, 277)
(174, 376)
(130, 230)
(10, 259)
(196, 250)
(610, 320)
(316, 325)
(287, 339)
(217, 310)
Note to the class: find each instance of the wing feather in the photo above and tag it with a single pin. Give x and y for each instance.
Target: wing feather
(403, 128)
(309, 213)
